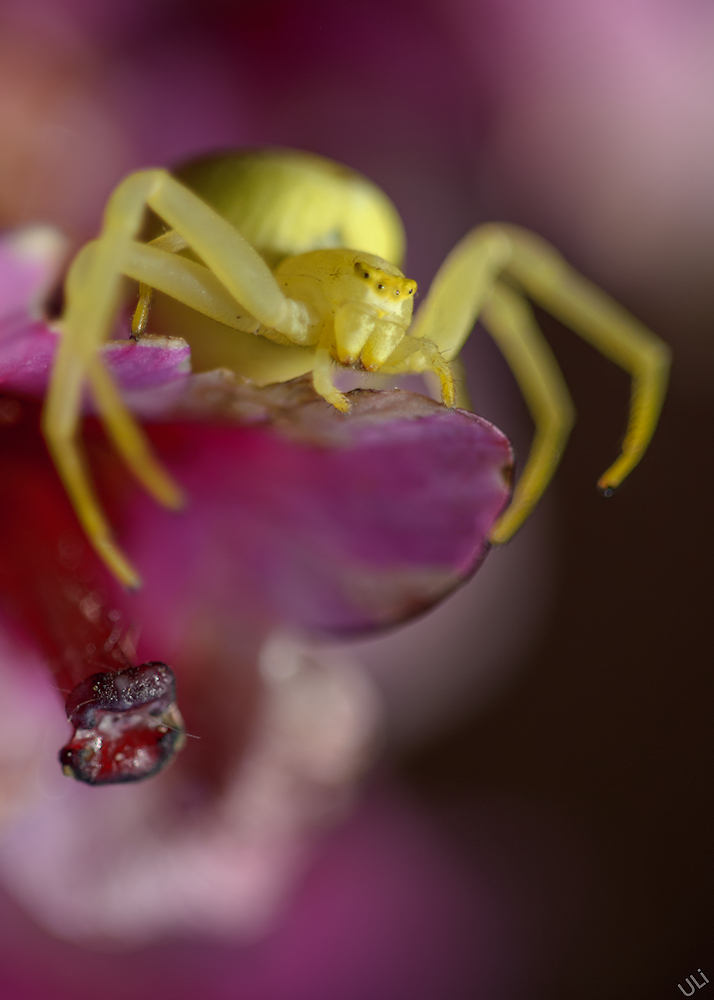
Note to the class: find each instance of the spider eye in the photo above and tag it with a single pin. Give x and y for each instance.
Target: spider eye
(365, 275)
(396, 292)
(380, 287)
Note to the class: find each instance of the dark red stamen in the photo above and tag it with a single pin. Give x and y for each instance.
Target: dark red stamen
(127, 726)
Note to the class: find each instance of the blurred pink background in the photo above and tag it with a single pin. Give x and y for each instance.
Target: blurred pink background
(540, 825)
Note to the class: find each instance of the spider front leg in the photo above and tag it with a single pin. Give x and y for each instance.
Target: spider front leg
(323, 371)
(423, 356)
(467, 287)
(171, 242)
(613, 331)
(93, 290)
(510, 321)
(235, 274)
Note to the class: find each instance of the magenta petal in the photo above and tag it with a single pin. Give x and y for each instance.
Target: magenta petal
(318, 520)
(29, 265)
(298, 515)
(148, 363)
(27, 352)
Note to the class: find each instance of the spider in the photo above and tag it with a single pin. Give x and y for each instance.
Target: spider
(299, 257)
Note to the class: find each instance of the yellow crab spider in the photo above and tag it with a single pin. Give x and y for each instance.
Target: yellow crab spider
(299, 257)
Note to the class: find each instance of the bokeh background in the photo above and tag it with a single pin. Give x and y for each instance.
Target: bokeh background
(549, 736)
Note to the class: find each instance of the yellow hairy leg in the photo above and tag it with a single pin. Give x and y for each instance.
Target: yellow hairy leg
(467, 285)
(613, 331)
(511, 323)
(423, 356)
(171, 242)
(93, 291)
(322, 374)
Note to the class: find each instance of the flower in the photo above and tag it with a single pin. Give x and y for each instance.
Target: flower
(301, 523)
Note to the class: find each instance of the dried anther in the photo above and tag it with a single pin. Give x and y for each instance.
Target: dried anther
(126, 725)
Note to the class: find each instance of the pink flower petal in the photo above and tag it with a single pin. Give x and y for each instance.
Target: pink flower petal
(29, 265)
(136, 865)
(298, 518)
(316, 520)
(27, 351)
(298, 514)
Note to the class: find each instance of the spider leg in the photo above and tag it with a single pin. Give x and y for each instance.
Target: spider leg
(189, 283)
(172, 242)
(460, 292)
(60, 419)
(462, 397)
(323, 369)
(510, 321)
(128, 438)
(238, 267)
(460, 289)
(93, 292)
(195, 286)
(595, 317)
(420, 355)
